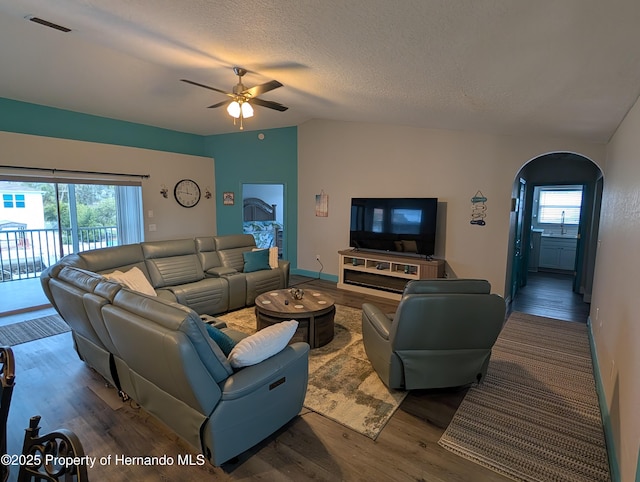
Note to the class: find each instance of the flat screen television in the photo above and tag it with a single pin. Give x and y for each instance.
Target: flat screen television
(404, 226)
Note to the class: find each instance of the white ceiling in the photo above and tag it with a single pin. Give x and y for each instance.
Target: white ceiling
(547, 67)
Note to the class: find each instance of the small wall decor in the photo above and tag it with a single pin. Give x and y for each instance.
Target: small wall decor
(322, 205)
(164, 191)
(228, 198)
(478, 209)
(207, 193)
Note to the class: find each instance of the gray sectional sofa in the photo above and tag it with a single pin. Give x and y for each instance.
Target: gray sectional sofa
(156, 349)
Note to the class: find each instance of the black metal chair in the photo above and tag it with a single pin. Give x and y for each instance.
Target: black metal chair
(7, 380)
(50, 455)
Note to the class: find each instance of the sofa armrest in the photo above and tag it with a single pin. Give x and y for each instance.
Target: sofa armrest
(221, 271)
(251, 378)
(285, 266)
(377, 319)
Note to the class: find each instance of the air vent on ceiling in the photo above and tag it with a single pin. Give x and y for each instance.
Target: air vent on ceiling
(46, 23)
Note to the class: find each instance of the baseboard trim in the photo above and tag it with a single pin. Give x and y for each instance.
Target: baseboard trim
(614, 467)
(314, 274)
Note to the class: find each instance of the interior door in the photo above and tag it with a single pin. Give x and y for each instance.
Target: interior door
(583, 228)
(519, 271)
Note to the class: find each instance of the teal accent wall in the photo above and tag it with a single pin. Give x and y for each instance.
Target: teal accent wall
(241, 157)
(40, 120)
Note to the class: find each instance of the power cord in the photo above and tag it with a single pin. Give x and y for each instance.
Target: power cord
(312, 279)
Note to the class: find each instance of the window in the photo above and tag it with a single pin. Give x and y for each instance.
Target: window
(13, 201)
(559, 205)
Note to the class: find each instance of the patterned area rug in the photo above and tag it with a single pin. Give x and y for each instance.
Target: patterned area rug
(342, 383)
(536, 416)
(30, 330)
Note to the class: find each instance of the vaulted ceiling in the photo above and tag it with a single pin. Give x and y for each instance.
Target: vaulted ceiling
(544, 67)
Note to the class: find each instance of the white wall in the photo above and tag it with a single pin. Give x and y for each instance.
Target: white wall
(171, 220)
(358, 160)
(615, 313)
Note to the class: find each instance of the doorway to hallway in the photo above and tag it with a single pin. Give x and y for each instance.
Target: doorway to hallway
(554, 235)
(551, 295)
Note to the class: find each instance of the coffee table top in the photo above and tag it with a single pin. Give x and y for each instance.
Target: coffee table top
(280, 302)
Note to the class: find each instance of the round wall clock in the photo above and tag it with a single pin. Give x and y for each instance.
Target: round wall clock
(187, 193)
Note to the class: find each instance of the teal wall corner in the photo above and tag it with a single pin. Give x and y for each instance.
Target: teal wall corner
(242, 157)
(614, 468)
(25, 118)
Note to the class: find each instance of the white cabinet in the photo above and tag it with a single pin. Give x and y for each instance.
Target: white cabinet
(558, 253)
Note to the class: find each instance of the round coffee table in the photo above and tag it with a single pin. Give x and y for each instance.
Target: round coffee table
(314, 313)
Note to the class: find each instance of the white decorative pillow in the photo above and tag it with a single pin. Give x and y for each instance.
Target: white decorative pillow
(134, 279)
(263, 344)
(273, 257)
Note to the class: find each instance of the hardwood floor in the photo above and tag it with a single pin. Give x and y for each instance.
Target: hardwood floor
(550, 294)
(51, 381)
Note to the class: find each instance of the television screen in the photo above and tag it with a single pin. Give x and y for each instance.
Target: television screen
(401, 225)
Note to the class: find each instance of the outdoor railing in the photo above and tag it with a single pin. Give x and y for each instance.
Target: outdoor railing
(24, 253)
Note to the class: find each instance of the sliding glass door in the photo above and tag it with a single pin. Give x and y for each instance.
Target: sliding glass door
(42, 221)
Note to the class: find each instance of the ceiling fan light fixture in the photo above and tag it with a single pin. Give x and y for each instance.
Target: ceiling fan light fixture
(247, 110)
(234, 109)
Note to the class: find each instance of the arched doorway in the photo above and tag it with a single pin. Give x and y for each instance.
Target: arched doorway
(554, 237)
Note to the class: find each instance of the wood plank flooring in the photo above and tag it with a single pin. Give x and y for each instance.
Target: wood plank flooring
(51, 381)
(550, 294)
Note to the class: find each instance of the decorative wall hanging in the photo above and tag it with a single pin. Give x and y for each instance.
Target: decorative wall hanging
(478, 209)
(322, 205)
(228, 198)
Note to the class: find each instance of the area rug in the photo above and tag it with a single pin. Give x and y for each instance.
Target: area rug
(25, 331)
(536, 416)
(343, 385)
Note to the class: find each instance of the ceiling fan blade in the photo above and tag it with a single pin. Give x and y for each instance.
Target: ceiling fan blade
(269, 104)
(207, 87)
(219, 104)
(262, 88)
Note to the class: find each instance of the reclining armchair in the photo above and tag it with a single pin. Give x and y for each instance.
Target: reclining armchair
(440, 336)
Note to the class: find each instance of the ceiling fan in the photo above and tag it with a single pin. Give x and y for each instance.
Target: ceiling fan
(239, 106)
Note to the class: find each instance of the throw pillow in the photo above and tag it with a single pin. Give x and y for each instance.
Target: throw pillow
(134, 279)
(273, 256)
(224, 341)
(263, 344)
(256, 260)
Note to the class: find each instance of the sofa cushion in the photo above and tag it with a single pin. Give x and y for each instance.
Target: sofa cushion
(134, 279)
(273, 256)
(263, 344)
(256, 260)
(172, 263)
(224, 341)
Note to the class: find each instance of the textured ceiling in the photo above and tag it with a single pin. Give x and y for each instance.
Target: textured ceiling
(544, 67)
